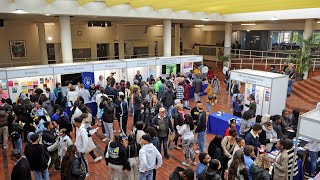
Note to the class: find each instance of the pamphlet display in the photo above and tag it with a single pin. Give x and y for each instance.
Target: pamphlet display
(262, 85)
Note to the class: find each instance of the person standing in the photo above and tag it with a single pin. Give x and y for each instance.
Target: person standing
(100, 82)
(144, 89)
(252, 138)
(280, 163)
(108, 117)
(111, 79)
(197, 84)
(149, 158)
(212, 172)
(51, 95)
(216, 88)
(252, 105)
(49, 137)
(237, 106)
(314, 148)
(260, 168)
(290, 71)
(164, 127)
(162, 87)
(187, 136)
(201, 128)
(138, 77)
(4, 132)
(56, 90)
(71, 165)
(38, 158)
(81, 143)
(237, 169)
(187, 88)
(180, 91)
(123, 114)
(137, 100)
(210, 97)
(84, 93)
(248, 151)
(168, 99)
(21, 169)
(132, 151)
(204, 159)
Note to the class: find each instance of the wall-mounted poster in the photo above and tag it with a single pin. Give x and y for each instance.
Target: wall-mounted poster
(41, 80)
(18, 49)
(14, 90)
(24, 89)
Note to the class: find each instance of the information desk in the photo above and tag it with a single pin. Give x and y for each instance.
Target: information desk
(217, 124)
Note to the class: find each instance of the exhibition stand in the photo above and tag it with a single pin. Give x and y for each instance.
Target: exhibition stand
(143, 65)
(4, 81)
(269, 89)
(166, 65)
(218, 123)
(105, 68)
(23, 79)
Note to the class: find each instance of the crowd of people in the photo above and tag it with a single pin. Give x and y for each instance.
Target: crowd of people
(57, 127)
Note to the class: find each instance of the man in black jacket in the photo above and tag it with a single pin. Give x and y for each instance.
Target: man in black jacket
(108, 117)
(49, 137)
(168, 99)
(38, 158)
(201, 128)
(163, 125)
(21, 169)
(137, 100)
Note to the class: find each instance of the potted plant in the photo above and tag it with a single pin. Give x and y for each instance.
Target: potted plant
(302, 57)
(223, 59)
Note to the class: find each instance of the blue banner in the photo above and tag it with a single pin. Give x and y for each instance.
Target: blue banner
(87, 79)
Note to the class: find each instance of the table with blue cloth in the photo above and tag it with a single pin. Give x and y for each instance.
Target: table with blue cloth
(204, 87)
(218, 123)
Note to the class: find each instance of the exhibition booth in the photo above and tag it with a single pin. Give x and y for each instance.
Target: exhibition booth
(24, 79)
(167, 65)
(3, 80)
(105, 68)
(269, 89)
(146, 66)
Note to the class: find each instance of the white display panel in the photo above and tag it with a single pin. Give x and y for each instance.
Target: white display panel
(133, 71)
(252, 79)
(266, 101)
(73, 69)
(247, 92)
(191, 59)
(3, 74)
(259, 98)
(105, 73)
(28, 72)
(310, 124)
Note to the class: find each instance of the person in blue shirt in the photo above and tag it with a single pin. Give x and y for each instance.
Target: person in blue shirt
(204, 159)
(52, 97)
(248, 157)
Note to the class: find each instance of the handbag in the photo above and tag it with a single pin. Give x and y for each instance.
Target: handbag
(171, 145)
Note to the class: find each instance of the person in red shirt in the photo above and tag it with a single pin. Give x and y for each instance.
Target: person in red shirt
(210, 74)
(232, 125)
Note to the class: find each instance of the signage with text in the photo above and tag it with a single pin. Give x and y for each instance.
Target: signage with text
(143, 63)
(106, 66)
(3, 74)
(20, 73)
(164, 61)
(73, 69)
(247, 78)
(191, 59)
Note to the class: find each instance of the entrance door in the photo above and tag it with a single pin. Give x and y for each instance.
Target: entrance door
(102, 51)
(51, 54)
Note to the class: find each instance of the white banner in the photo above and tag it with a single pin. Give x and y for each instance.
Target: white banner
(3, 74)
(73, 69)
(111, 65)
(252, 79)
(21, 73)
(191, 59)
(140, 63)
(165, 61)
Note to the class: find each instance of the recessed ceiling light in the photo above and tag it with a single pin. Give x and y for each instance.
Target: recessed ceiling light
(159, 25)
(205, 19)
(20, 11)
(50, 38)
(274, 18)
(47, 14)
(318, 22)
(248, 24)
(248, 30)
(200, 25)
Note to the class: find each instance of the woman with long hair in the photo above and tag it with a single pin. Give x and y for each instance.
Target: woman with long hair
(132, 153)
(215, 149)
(260, 168)
(187, 136)
(71, 166)
(237, 169)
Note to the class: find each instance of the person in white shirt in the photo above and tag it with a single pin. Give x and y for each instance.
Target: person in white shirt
(84, 93)
(100, 82)
(149, 158)
(72, 96)
(314, 148)
(81, 142)
(187, 136)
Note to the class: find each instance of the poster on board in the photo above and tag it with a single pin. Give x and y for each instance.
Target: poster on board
(259, 96)
(247, 92)
(266, 102)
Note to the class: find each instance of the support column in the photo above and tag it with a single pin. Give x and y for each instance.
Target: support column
(42, 43)
(120, 29)
(66, 41)
(167, 38)
(111, 32)
(308, 30)
(177, 39)
(227, 39)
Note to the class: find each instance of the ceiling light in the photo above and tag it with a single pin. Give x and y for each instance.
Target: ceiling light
(49, 24)
(205, 19)
(50, 38)
(248, 24)
(198, 25)
(248, 30)
(318, 22)
(20, 11)
(47, 14)
(159, 25)
(274, 18)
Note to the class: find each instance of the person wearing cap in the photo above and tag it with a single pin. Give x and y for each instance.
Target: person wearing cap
(232, 125)
(149, 158)
(38, 158)
(4, 127)
(21, 169)
(81, 142)
(252, 104)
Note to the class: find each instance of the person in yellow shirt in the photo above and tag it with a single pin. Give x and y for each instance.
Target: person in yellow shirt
(210, 96)
(196, 71)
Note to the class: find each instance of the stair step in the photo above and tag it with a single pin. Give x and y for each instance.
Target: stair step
(312, 83)
(306, 91)
(304, 97)
(311, 88)
(296, 102)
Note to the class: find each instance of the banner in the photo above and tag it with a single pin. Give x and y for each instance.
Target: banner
(87, 79)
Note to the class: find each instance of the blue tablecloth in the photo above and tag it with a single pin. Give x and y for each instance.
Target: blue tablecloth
(93, 107)
(218, 124)
(204, 86)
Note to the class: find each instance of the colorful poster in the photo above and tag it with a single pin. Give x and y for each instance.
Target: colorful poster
(10, 83)
(24, 89)
(14, 90)
(34, 82)
(41, 80)
(16, 83)
(23, 83)
(47, 81)
(259, 93)
(29, 83)
(267, 95)
(4, 84)
(44, 85)
(30, 87)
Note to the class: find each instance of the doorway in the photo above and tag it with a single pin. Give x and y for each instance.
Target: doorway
(102, 51)
(116, 50)
(51, 54)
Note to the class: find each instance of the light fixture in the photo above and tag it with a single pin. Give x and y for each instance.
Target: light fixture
(274, 18)
(318, 22)
(248, 30)
(200, 25)
(248, 24)
(47, 14)
(50, 38)
(205, 19)
(159, 25)
(49, 24)
(20, 11)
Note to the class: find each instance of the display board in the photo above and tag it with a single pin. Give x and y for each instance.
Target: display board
(143, 65)
(105, 68)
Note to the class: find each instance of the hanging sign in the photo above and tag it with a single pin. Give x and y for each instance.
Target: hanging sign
(191, 59)
(19, 73)
(252, 79)
(111, 65)
(165, 61)
(73, 69)
(140, 63)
